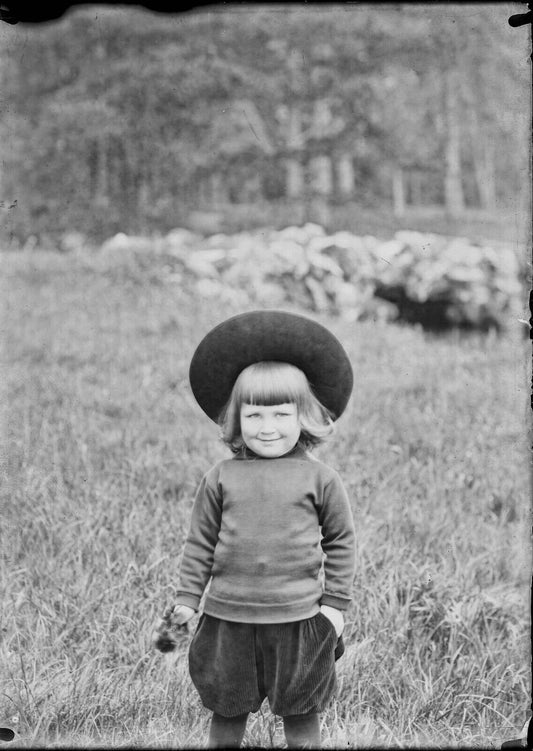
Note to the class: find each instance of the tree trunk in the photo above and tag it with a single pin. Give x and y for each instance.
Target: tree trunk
(321, 175)
(101, 173)
(219, 194)
(483, 157)
(453, 183)
(251, 189)
(415, 188)
(481, 148)
(484, 171)
(142, 195)
(203, 190)
(345, 176)
(398, 192)
(294, 176)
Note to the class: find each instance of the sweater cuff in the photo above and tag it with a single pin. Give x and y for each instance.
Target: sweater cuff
(186, 598)
(335, 601)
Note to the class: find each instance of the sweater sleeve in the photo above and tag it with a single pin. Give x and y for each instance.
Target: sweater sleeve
(198, 553)
(338, 545)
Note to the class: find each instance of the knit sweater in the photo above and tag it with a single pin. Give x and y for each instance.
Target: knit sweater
(274, 538)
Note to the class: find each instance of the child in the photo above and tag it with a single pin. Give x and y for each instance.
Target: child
(271, 527)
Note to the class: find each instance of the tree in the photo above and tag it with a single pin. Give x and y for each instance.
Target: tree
(124, 121)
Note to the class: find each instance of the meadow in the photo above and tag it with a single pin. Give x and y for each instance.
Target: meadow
(103, 446)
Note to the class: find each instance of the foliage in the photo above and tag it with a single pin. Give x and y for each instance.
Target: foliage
(122, 119)
(103, 447)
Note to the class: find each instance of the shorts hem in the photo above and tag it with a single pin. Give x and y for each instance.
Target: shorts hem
(225, 712)
(295, 712)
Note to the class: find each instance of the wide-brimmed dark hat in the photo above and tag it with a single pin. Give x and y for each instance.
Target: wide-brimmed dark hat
(270, 335)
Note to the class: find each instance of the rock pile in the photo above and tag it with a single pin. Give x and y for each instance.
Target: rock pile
(436, 280)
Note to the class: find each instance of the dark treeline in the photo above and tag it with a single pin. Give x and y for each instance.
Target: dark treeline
(123, 119)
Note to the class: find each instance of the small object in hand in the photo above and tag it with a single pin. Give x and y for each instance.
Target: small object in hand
(6, 734)
(168, 632)
(6, 730)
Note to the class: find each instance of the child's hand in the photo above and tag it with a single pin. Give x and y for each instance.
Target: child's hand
(335, 616)
(181, 614)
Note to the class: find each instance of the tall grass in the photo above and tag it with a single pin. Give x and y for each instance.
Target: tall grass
(103, 446)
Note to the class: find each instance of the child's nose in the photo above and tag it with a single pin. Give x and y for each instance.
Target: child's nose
(267, 425)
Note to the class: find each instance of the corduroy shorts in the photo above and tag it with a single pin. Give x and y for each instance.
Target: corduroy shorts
(235, 666)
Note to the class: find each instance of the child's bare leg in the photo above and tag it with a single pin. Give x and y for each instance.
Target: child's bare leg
(227, 732)
(302, 731)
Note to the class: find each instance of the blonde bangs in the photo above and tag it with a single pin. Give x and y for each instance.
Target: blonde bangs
(269, 382)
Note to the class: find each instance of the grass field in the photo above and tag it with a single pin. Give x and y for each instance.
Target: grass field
(103, 447)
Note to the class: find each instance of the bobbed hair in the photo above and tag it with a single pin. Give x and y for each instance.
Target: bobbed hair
(271, 382)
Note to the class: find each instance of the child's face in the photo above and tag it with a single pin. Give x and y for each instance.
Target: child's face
(270, 431)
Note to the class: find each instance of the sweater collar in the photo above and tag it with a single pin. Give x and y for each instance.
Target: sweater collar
(296, 452)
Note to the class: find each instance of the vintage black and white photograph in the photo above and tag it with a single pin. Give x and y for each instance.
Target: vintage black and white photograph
(265, 375)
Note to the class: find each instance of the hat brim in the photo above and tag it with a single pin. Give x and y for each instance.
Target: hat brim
(278, 335)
